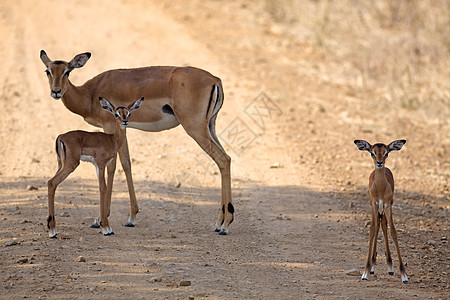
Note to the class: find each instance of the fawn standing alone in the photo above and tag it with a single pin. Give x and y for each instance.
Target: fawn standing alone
(381, 192)
(96, 147)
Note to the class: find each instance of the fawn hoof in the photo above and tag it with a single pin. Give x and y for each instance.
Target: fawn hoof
(372, 272)
(391, 273)
(364, 279)
(405, 281)
(222, 232)
(217, 230)
(128, 224)
(109, 233)
(95, 225)
(54, 236)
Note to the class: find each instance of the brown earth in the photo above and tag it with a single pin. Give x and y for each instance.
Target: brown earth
(302, 81)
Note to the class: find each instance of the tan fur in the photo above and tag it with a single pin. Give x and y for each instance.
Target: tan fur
(381, 193)
(187, 90)
(96, 147)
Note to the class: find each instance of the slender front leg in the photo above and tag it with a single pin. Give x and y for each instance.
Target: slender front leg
(371, 241)
(386, 242)
(104, 223)
(124, 155)
(375, 240)
(394, 237)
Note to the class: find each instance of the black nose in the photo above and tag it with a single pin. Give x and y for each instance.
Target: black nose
(57, 92)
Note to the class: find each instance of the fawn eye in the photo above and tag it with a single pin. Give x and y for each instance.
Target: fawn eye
(372, 154)
(117, 115)
(386, 154)
(47, 72)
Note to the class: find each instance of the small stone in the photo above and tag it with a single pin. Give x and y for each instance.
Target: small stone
(178, 185)
(64, 214)
(11, 243)
(156, 279)
(35, 160)
(431, 242)
(353, 272)
(32, 188)
(444, 238)
(191, 297)
(173, 236)
(185, 283)
(80, 259)
(162, 156)
(23, 260)
(276, 165)
(368, 222)
(24, 221)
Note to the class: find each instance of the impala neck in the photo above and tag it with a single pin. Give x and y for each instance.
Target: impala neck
(119, 135)
(380, 176)
(77, 99)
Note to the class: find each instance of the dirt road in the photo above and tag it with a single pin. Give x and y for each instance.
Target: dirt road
(297, 93)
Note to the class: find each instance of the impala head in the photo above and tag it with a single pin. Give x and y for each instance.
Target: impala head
(121, 113)
(58, 72)
(379, 151)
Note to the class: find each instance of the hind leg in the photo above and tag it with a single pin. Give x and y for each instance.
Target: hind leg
(52, 184)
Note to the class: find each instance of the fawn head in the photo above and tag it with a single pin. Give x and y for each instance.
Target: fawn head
(121, 113)
(58, 72)
(379, 151)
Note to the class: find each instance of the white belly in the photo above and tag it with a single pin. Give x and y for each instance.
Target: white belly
(169, 121)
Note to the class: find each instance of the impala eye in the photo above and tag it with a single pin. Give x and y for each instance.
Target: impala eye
(372, 154)
(117, 115)
(386, 154)
(47, 72)
(67, 72)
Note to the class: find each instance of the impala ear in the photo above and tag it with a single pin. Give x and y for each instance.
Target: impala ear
(396, 145)
(135, 105)
(106, 105)
(45, 58)
(362, 145)
(79, 60)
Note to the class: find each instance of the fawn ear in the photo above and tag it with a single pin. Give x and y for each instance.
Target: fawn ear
(45, 58)
(362, 145)
(396, 145)
(79, 60)
(135, 105)
(106, 105)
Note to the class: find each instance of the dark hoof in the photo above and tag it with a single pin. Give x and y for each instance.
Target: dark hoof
(372, 272)
(391, 273)
(107, 234)
(217, 230)
(405, 281)
(364, 279)
(128, 224)
(54, 237)
(95, 225)
(221, 232)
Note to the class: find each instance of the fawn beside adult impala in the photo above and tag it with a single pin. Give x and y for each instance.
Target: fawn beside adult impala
(96, 147)
(381, 193)
(173, 95)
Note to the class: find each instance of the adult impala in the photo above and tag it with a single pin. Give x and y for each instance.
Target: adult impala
(173, 95)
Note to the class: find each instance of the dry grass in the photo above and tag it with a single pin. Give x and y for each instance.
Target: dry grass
(398, 51)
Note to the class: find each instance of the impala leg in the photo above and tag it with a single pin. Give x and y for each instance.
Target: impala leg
(104, 223)
(386, 242)
(208, 141)
(371, 243)
(394, 237)
(375, 241)
(124, 155)
(52, 184)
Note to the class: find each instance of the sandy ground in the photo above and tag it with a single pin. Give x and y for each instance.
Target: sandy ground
(292, 110)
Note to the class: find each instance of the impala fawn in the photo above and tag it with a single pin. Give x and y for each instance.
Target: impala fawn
(381, 192)
(96, 147)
